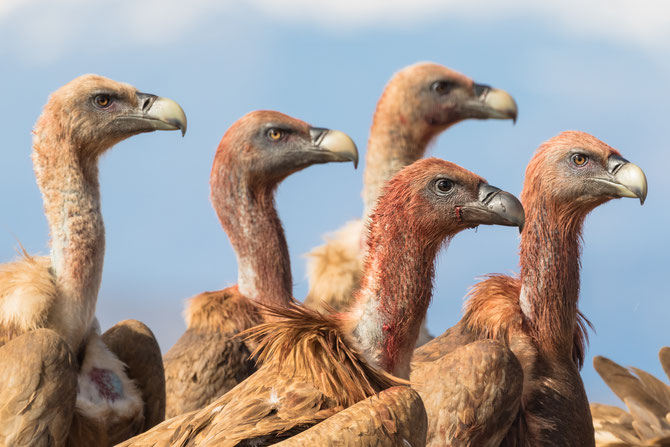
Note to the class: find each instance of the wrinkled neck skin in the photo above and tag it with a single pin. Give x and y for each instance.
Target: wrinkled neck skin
(395, 141)
(550, 253)
(392, 302)
(250, 219)
(71, 195)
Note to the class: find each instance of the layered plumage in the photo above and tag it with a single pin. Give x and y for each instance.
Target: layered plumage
(394, 417)
(647, 421)
(313, 366)
(259, 151)
(81, 121)
(419, 103)
(531, 323)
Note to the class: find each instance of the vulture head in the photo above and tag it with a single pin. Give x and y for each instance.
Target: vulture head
(264, 147)
(431, 97)
(576, 172)
(94, 113)
(442, 199)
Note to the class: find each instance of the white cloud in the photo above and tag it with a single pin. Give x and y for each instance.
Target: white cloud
(43, 29)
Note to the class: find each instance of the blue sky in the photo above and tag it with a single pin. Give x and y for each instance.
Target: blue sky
(601, 68)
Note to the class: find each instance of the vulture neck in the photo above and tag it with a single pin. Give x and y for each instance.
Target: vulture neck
(396, 141)
(71, 194)
(550, 252)
(395, 292)
(247, 213)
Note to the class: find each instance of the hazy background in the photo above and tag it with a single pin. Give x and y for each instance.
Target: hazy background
(602, 68)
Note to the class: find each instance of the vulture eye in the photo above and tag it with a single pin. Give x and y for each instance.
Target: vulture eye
(275, 134)
(580, 159)
(102, 101)
(442, 87)
(444, 186)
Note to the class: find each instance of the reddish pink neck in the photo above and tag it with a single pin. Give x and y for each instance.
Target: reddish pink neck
(550, 252)
(396, 290)
(248, 215)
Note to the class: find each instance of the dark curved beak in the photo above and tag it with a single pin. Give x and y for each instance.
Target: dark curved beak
(336, 145)
(625, 179)
(156, 113)
(494, 207)
(491, 103)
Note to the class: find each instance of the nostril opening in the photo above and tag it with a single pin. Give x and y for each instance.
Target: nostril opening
(489, 197)
(147, 104)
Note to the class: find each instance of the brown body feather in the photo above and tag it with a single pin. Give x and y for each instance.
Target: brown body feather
(307, 373)
(395, 417)
(647, 421)
(217, 359)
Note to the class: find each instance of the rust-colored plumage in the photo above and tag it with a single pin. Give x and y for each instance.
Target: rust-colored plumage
(81, 121)
(535, 316)
(313, 366)
(254, 156)
(418, 103)
(647, 421)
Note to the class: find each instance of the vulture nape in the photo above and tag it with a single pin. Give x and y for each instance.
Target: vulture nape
(419, 102)
(63, 381)
(509, 370)
(258, 151)
(647, 421)
(313, 366)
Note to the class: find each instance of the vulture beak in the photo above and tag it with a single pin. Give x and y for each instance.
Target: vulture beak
(494, 207)
(625, 179)
(338, 146)
(156, 113)
(491, 103)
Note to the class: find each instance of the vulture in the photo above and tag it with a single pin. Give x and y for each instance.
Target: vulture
(61, 380)
(258, 151)
(419, 102)
(311, 366)
(648, 401)
(509, 370)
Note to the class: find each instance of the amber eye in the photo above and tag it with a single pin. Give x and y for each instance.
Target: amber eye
(442, 87)
(102, 100)
(579, 159)
(444, 185)
(275, 134)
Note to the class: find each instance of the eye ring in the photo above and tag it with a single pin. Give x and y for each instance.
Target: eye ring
(579, 160)
(275, 134)
(442, 87)
(103, 101)
(444, 186)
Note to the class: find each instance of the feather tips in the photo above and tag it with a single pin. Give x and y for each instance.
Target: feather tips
(304, 343)
(27, 291)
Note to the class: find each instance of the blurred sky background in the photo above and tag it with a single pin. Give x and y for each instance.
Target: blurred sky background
(602, 67)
